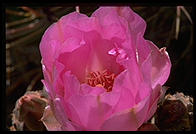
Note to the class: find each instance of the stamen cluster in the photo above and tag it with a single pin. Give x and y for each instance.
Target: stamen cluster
(102, 79)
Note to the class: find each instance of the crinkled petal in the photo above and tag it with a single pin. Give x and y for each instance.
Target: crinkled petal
(145, 84)
(124, 87)
(161, 65)
(129, 119)
(89, 109)
(109, 23)
(57, 82)
(135, 80)
(155, 96)
(91, 102)
(88, 90)
(59, 111)
(75, 61)
(110, 19)
(48, 88)
(78, 21)
(71, 85)
(136, 23)
(50, 121)
(47, 50)
(58, 106)
(143, 49)
(69, 26)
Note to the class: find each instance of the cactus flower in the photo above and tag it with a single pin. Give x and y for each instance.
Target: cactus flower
(100, 73)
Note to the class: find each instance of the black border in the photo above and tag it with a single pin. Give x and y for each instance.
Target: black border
(4, 4)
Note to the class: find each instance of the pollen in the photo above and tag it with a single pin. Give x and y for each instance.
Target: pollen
(103, 79)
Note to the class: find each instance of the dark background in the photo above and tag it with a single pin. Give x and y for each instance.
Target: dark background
(26, 25)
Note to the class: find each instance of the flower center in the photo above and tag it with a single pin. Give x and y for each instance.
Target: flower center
(103, 79)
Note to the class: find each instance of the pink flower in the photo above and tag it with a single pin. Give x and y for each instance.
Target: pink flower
(100, 72)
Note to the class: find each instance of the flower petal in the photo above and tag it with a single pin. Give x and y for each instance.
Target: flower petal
(161, 65)
(112, 19)
(89, 109)
(48, 53)
(52, 124)
(109, 23)
(71, 85)
(50, 121)
(145, 84)
(123, 86)
(153, 101)
(91, 102)
(143, 49)
(127, 120)
(88, 90)
(136, 23)
(77, 21)
(75, 61)
(68, 26)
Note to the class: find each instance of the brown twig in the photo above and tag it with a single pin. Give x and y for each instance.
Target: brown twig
(53, 9)
(10, 89)
(25, 40)
(178, 13)
(12, 12)
(32, 11)
(13, 33)
(186, 13)
(19, 22)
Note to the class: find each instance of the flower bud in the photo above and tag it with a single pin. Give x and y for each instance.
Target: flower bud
(175, 113)
(28, 112)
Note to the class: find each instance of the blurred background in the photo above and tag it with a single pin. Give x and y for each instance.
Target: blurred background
(170, 27)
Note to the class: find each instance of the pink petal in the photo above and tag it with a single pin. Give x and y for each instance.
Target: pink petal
(75, 61)
(51, 39)
(145, 84)
(50, 121)
(155, 96)
(89, 109)
(136, 23)
(58, 107)
(109, 23)
(91, 102)
(161, 65)
(123, 86)
(48, 88)
(112, 20)
(59, 111)
(47, 82)
(143, 49)
(55, 37)
(57, 82)
(127, 120)
(52, 124)
(71, 85)
(77, 21)
(121, 23)
(64, 84)
(88, 90)
(70, 44)
(47, 49)
(134, 80)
